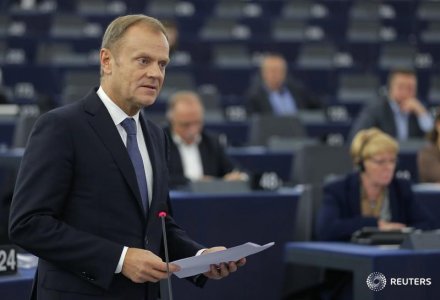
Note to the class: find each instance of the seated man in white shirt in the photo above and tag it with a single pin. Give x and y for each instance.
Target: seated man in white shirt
(194, 153)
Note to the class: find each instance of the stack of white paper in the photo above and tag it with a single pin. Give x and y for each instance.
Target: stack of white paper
(200, 264)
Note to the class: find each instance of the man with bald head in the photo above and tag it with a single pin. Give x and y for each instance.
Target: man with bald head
(273, 92)
(195, 154)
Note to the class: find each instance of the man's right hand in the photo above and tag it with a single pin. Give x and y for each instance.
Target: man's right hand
(142, 265)
(413, 105)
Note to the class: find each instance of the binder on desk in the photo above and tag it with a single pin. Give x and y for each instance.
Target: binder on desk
(375, 236)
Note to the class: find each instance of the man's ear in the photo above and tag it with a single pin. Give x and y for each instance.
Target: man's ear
(105, 58)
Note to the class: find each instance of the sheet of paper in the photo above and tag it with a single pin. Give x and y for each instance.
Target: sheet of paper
(200, 264)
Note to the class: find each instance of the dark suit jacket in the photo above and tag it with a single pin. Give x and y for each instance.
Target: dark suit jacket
(258, 102)
(77, 203)
(379, 114)
(340, 213)
(214, 159)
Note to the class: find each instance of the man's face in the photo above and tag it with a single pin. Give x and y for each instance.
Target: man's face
(135, 69)
(187, 120)
(273, 72)
(402, 88)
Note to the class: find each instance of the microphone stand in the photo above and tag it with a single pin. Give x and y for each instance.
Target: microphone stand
(162, 216)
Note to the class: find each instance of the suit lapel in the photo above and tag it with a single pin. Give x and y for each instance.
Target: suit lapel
(153, 152)
(101, 121)
(204, 157)
(389, 118)
(413, 126)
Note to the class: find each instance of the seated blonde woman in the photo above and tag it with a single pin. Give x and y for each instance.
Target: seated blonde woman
(372, 196)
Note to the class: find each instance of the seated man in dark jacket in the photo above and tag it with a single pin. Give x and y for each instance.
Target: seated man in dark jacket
(401, 114)
(372, 197)
(194, 153)
(273, 92)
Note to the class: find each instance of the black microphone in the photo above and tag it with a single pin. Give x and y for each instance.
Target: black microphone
(162, 213)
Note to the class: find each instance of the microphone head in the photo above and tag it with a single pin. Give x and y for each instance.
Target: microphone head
(162, 211)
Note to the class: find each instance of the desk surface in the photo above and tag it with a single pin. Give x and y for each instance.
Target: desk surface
(226, 220)
(18, 286)
(363, 260)
(261, 159)
(230, 220)
(254, 159)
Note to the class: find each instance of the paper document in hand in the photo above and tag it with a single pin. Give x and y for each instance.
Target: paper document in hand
(200, 264)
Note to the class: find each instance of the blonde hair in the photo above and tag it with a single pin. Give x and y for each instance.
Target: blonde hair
(369, 142)
(116, 29)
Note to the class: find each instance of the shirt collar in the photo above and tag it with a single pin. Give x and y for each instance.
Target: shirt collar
(116, 113)
(280, 91)
(179, 141)
(395, 107)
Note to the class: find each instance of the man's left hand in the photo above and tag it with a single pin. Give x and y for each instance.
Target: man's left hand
(224, 269)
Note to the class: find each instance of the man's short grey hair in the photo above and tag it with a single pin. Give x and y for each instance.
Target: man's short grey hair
(116, 29)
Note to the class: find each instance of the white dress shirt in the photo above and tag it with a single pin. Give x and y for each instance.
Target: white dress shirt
(190, 156)
(425, 121)
(118, 115)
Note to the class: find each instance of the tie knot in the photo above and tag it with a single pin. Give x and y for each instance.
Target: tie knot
(129, 125)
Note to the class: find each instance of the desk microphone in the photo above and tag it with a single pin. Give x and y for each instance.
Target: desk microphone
(162, 213)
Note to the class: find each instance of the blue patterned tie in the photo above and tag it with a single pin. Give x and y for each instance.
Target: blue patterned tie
(129, 125)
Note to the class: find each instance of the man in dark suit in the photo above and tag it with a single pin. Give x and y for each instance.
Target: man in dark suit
(274, 93)
(93, 177)
(400, 114)
(195, 154)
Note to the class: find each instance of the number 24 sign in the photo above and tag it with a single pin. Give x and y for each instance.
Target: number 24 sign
(8, 260)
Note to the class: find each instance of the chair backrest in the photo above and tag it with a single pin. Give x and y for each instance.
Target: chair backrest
(67, 26)
(364, 31)
(24, 125)
(429, 11)
(229, 9)
(293, 144)
(365, 11)
(359, 87)
(216, 28)
(264, 127)
(316, 56)
(176, 81)
(432, 33)
(412, 144)
(397, 56)
(219, 187)
(76, 85)
(298, 9)
(307, 208)
(232, 56)
(314, 163)
(434, 89)
(288, 30)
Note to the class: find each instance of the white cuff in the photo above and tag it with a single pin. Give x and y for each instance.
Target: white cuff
(121, 260)
(200, 252)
